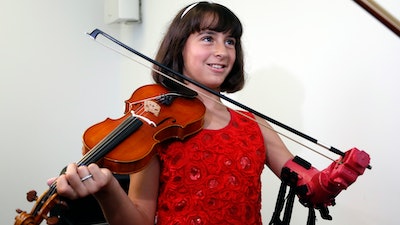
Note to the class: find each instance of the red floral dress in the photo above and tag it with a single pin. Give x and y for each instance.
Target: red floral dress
(213, 177)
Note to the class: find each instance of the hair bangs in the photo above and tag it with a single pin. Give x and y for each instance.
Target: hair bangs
(216, 18)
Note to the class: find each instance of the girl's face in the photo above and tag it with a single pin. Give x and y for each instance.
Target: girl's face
(208, 57)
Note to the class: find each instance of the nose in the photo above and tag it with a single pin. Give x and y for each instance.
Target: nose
(220, 50)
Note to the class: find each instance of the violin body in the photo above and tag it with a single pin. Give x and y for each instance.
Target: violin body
(160, 122)
(153, 114)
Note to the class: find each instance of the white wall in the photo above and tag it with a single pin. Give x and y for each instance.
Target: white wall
(326, 68)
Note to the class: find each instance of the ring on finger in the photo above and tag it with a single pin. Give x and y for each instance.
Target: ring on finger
(86, 177)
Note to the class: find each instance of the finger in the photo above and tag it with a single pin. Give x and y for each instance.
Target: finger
(83, 172)
(87, 177)
(64, 189)
(96, 171)
(82, 181)
(73, 177)
(50, 181)
(101, 176)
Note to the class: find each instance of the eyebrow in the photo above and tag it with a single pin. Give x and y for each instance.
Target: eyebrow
(209, 31)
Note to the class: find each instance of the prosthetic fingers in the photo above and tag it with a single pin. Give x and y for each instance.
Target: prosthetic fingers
(318, 189)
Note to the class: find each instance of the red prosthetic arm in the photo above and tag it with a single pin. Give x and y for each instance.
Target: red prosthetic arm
(318, 189)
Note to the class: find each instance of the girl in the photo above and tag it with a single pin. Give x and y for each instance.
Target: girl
(212, 177)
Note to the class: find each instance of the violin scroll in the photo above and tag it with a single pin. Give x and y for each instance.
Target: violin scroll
(41, 209)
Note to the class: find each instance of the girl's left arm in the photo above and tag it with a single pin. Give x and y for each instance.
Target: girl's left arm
(275, 150)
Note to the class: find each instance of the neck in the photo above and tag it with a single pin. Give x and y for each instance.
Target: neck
(209, 100)
(217, 116)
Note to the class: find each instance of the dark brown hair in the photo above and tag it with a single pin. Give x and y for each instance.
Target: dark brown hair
(195, 18)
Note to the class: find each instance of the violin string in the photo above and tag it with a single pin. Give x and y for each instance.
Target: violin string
(93, 155)
(98, 151)
(145, 99)
(209, 97)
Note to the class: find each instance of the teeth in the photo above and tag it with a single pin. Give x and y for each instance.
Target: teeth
(216, 66)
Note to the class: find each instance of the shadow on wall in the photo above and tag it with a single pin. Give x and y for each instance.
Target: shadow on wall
(276, 93)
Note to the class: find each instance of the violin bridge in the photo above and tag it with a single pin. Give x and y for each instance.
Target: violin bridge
(147, 120)
(152, 107)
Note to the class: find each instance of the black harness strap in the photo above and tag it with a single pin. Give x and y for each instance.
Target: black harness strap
(288, 179)
(311, 216)
(280, 202)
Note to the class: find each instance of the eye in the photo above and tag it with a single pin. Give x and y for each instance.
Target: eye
(231, 42)
(207, 38)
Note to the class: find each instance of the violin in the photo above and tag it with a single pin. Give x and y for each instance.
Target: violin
(152, 115)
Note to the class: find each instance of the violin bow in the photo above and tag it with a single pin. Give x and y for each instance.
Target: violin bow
(381, 14)
(97, 32)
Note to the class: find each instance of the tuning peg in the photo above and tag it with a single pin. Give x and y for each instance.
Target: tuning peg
(19, 211)
(31, 196)
(52, 220)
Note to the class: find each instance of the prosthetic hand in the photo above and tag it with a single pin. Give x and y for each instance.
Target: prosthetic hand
(318, 189)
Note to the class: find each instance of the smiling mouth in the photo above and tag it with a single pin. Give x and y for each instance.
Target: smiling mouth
(216, 66)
